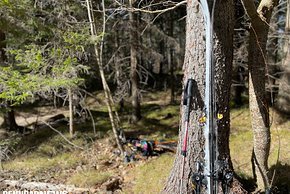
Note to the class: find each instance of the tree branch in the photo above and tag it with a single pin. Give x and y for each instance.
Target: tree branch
(251, 11)
(66, 139)
(158, 11)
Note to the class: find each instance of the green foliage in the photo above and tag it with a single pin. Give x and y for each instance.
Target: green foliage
(46, 52)
(35, 163)
(38, 71)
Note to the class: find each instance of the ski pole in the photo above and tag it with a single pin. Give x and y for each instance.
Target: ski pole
(186, 101)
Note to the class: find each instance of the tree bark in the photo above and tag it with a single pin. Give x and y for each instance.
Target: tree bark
(9, 120)
(283, 100)
(259, 109)
(136, 114)
(194, 67)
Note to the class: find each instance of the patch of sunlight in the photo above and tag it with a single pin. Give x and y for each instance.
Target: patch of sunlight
(241, 145)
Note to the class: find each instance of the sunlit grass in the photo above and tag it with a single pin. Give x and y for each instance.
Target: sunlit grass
(34, 163)
(88, 178)
(241, 145)
(150, 177)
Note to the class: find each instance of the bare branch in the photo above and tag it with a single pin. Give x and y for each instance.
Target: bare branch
(66, 139)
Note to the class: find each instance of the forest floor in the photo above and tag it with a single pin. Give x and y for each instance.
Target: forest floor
(93, 163)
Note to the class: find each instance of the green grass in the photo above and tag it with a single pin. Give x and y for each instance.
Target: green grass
(88, 178)
(45, 150)
(241, 146)
(241, 150)
(151, 176)
(34, 163)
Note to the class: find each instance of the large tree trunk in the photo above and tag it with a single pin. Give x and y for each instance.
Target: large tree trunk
(260, 18)
(283, 100)
(194, 67)
(136, 115)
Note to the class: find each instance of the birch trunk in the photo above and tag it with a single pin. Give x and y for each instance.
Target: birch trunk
(108, 97)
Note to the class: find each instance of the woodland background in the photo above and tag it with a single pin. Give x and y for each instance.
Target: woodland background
(75, 75)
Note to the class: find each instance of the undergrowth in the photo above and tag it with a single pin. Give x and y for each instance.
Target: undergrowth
(45, 150)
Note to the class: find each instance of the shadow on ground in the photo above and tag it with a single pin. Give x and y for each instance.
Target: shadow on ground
(281, 181)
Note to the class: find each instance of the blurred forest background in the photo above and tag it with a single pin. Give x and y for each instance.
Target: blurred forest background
(75, 76)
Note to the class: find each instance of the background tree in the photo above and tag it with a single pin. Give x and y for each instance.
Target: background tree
(44, 52)
(136, 114)
(9, 117)
(260, 17)
(283, 100)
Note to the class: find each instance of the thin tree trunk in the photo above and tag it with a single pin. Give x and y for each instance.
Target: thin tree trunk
(170, 63)
(194, 67)
(171, 76)
(108, 96)
(136, 115)
(283, 101)
(3, 57)
(260, 18)
(71, 112)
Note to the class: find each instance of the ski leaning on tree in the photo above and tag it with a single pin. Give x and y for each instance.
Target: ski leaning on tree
(203, 164)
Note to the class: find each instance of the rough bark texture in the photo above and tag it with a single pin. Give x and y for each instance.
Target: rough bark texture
(283, 100)
(136, 114)
(194, 67)
(260, 18)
